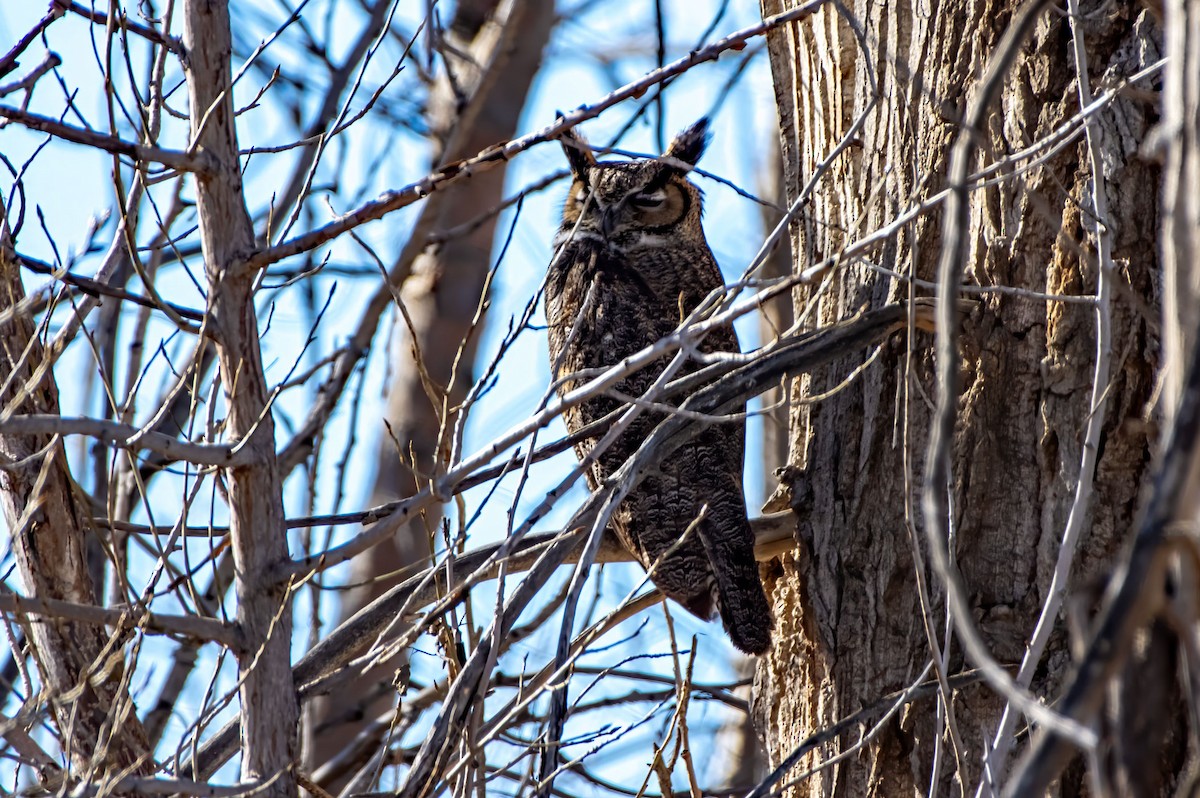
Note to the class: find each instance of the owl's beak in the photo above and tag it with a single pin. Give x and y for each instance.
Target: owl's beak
(608, 221)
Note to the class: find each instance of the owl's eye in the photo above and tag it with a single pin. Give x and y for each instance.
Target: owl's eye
(649, 199)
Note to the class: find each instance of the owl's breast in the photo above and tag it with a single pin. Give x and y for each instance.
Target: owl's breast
(589, 261)
(600, 307)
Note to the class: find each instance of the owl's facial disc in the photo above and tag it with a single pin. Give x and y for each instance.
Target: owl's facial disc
(628, 204)
(651, 208)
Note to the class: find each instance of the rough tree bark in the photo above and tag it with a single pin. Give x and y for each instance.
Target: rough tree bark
(850, 626)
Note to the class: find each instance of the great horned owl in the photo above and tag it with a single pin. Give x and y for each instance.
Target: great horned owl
(633, 229)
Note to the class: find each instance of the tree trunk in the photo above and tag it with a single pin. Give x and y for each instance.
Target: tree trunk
(850, 623)
(81, 666)
(270, 710)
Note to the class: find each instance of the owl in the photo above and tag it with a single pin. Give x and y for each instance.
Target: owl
(631, 237)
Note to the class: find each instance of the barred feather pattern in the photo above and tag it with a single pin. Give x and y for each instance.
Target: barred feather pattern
(648, 273)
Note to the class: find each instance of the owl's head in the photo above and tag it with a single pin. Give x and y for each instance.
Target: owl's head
(631, 204)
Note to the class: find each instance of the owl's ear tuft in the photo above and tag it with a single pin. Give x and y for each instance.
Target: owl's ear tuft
(690, 144)
(579, 154)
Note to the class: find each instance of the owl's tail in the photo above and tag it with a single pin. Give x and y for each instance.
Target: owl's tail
(739, 591)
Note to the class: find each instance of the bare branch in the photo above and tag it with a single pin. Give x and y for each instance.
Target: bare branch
(98, 289)
(121, 22)
(501, 153)
(193, 626)
(9, 62)
(49, 61)
(125, 436)
(140, 153)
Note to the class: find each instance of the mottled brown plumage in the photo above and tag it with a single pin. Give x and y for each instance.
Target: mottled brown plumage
(633, 229)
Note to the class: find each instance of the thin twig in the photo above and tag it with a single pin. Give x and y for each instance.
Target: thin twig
(96, 288)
